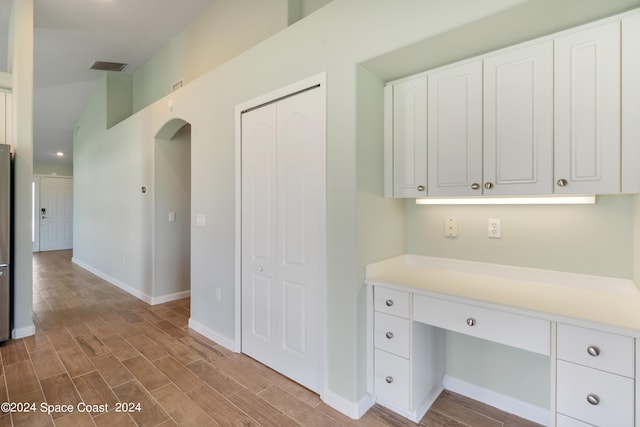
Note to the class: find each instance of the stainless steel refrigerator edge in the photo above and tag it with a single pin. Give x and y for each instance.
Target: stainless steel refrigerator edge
(5, 241)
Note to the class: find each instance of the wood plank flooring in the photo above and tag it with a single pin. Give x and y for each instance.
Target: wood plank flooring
(99, 347)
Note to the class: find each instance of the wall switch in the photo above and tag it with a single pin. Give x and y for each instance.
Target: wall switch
(201, 220)
(494, 231)
(451, 227)
(172, 217)
(218, 294)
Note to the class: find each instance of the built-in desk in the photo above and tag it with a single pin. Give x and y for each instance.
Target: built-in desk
(586, 325)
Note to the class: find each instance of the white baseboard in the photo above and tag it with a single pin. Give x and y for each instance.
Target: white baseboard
(227, 343)
(497, 400)
(353, 410)
(128, 289)
(25, 331)
(170, 297)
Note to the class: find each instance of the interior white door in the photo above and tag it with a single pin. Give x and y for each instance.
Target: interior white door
(56, 214)
(283, 203)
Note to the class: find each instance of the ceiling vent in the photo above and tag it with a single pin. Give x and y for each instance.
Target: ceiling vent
(108, 66)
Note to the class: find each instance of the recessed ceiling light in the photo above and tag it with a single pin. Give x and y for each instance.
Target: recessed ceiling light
(60, 154)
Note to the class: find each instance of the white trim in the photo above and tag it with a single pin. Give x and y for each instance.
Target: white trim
(227, 343)
(170, 297)
(353, 410)
(23, 332)
(321, 80)
(135, 292)
(505, 403)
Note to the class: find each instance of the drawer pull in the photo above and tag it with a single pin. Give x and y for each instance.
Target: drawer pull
(471, 321)
(389, 335)
(593, 399)
(389, 302)
(389, 379)
(593, 350)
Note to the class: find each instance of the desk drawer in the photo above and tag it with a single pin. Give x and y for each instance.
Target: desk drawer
(391, 334)
(596, 349)
(391, 301)
(391, 379)
(510, 329)
(614, 393)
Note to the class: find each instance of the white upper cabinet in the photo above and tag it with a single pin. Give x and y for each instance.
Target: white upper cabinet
(455, 131)
(587, 110)
(518, 121)
(409, 137)
(631, 104)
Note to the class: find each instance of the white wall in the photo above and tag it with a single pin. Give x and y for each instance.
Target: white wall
(219, 34)
(172, 193)
(362, 227)
(21, 69)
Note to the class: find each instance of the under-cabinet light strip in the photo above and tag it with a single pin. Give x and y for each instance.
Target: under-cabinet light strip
(534, 200)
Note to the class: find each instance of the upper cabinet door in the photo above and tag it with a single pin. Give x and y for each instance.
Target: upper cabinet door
(410, 138)
(631, 104)
(455, 131)
(587, 111)
(518, 121)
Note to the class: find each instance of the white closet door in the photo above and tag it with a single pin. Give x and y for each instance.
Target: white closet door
(259, 233)
(283, 236)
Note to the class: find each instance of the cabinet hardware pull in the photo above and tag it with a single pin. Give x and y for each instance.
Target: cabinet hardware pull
(389, 379)
(389, 302)
(471, 321)
(562, 182)
(389, 335)
(488, 185)
(420, 187)
(475, 186)
(593, 399)
(593, 350)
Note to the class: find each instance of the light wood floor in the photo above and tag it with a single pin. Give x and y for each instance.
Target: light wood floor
(98, 345)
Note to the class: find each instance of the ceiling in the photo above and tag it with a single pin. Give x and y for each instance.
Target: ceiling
(72, 34)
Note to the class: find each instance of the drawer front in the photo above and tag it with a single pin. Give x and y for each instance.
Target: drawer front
(391, 301)
(391, 379)
(615, 395)
(391, 334)
(564, 421)
(600, 350)
(510, 329)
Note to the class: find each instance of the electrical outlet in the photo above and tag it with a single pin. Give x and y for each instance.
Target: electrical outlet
(494, 231)
(451, 227)
(218, 294)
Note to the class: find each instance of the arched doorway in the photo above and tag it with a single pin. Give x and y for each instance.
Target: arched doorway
(172, 212)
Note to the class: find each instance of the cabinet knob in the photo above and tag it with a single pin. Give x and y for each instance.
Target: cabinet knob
(389, 379)
(471, 321)
(488, 185)
(593, 350)
(420, 187)
(593, 399)
(260, 268)
(562, 182)
(389, 302)
(389, 335)
(475, 186)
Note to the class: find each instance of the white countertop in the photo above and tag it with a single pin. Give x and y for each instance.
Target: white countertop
(551, 294)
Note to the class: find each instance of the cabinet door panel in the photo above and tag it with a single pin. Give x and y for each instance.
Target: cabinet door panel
(518, 121)
(631, 104)
(455, 131)
(410, 138)
(587, 111)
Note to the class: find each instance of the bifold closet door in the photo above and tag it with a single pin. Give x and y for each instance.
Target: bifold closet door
(282, 235)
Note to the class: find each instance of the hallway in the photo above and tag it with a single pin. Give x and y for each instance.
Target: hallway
(97, 349)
